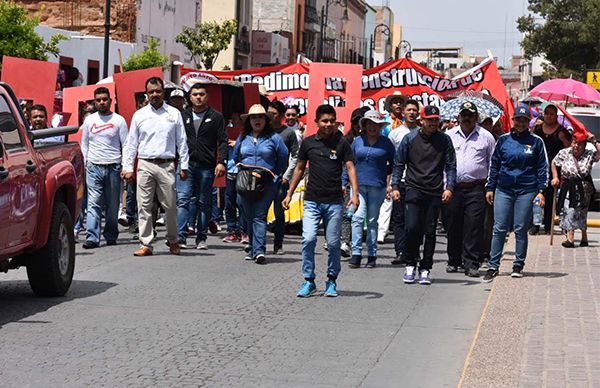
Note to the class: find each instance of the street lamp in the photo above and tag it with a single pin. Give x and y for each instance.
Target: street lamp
(106, 37)
(407, 47)
(385, 30)
(325, 16)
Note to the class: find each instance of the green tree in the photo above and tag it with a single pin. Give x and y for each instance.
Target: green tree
(564, 32)
(207, 40)
(17, 35)
(151, 57)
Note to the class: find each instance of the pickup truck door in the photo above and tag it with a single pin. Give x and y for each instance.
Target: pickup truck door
(22, 176)
(4, 200)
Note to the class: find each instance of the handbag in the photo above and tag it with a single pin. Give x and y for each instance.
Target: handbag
(252, 181)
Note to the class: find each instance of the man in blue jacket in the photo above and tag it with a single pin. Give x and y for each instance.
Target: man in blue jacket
(425, 154)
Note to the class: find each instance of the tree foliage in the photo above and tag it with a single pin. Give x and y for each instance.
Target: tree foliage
(151, 57)
(565, 32)
(207, 40)
(18, 37)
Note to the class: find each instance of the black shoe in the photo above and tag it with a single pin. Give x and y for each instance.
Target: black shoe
(354, 261)
(111, 243)
(517, 272)
(490, 275)
(535, 230)
(90, 245)
(472, 272)
(371, 262)
(568, 244)
(452, 268)
(399, 260)
(260, 259)
(584, 243)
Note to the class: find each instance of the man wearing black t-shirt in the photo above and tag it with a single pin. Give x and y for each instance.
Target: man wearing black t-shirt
(327, 152)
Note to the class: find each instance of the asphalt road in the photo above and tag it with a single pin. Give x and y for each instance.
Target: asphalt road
(211, 319)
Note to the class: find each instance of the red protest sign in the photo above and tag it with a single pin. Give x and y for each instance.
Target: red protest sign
(341, 92)
(130, 87)
(31, 79)
(73, 99)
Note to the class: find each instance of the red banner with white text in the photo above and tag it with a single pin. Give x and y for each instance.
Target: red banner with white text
(290, 83)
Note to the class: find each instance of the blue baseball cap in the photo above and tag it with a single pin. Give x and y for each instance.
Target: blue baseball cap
(522, 111)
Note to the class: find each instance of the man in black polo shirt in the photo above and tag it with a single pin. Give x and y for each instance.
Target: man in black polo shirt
(425, 154)
(327, 152)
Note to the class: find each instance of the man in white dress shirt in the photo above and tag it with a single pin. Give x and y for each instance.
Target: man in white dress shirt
(157, 137)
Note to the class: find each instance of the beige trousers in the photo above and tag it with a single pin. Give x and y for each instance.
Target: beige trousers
(156, 179)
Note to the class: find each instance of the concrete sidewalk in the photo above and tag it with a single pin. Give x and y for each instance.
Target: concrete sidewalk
(542, 330)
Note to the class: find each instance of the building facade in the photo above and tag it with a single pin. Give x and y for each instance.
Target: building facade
(86, 54)
(238, 55)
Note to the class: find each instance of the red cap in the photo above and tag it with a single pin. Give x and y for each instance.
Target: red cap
(580, 136)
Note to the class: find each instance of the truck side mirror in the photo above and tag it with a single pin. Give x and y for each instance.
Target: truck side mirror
(7, 122)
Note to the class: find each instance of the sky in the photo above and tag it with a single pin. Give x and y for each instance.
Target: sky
(475, 25)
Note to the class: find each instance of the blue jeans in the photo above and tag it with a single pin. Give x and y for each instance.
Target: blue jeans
(131, 203)
(200, 181)
(231, 207)
(255, 211)
(216, 213)
(79, 224)
(332, 220)
(279, 231)
(516, 210)
(371, 198)
(104, 191)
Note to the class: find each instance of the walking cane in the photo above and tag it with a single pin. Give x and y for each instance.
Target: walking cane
(553, 216)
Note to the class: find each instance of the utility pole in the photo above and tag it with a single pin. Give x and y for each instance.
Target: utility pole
(106, 38)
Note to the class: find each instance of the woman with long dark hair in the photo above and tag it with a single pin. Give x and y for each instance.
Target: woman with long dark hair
(261, 149)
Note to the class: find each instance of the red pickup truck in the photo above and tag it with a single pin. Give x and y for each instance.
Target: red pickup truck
(41, 188)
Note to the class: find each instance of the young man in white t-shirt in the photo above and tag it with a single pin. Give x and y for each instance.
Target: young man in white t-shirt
(103, 137)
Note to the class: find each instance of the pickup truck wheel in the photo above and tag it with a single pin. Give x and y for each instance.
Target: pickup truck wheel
(50, 270)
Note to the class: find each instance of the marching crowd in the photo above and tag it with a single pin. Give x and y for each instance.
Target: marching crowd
(405, 170)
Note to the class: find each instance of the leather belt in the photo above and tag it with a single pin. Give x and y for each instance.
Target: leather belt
(470, 185)
(158, 160)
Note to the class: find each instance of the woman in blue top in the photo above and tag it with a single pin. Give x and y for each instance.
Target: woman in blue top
(518, 178)
(374, 159)
(259, 146)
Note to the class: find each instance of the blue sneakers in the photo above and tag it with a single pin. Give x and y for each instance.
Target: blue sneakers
(330, 289)
(308, 288)
(424, 277)
(409, 275)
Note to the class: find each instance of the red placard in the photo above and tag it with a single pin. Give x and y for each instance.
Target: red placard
(129, 84)
(31, 80)
(73, 96)
(327, 86)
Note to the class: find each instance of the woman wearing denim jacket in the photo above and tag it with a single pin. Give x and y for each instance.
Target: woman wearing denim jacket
(518, 177)
(259, 146)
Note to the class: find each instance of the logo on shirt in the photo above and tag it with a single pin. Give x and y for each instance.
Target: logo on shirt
(333, 155)
(96, 129)
(528, 149)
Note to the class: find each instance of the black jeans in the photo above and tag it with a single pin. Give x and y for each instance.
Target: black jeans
(466, 217)
(548, 193)
(398, 218)
(279, 230)
(421, 218)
